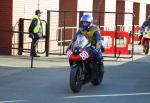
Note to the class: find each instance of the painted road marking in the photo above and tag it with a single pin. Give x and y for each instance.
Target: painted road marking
(107, 95)
(12, 101)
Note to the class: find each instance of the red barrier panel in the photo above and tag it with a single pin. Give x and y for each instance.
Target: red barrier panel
(136, 30)
(119, 34)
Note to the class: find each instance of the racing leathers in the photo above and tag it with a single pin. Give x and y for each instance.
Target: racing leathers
(142, 31)
(93, 36)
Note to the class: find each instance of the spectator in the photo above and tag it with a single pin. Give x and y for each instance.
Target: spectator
(36, 32)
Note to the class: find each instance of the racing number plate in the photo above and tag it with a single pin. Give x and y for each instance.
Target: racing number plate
(84, 55)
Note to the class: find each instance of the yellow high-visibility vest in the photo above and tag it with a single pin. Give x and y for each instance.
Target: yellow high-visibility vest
(89, 34)
(37, 27)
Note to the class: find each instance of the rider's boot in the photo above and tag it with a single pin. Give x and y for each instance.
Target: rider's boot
(140, 38)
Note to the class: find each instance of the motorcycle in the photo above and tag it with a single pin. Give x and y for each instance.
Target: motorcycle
(82, 63)
(145, 40)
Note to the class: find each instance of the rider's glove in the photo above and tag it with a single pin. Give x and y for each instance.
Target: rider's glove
(141, 32)
(97, 51)
(97, 54)
(144, 33)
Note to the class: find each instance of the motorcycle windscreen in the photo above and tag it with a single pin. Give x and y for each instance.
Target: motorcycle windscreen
(80, 42)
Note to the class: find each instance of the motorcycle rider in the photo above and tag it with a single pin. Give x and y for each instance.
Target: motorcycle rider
(142, 30)
(92, 33)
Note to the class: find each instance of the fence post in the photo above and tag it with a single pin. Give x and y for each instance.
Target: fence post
(47, 38)
(21, 30)
(115, 33)
(64, 36)
(133, 35)
(80, 15)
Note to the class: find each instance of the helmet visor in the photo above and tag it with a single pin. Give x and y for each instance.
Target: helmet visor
(85, 23)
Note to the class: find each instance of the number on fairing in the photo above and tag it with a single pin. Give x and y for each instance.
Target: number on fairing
(84, 55)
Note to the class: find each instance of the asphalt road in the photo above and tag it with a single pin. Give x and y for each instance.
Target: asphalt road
(126, 82)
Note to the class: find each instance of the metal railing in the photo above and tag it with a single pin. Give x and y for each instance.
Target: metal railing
(62, 26)
(20, 38)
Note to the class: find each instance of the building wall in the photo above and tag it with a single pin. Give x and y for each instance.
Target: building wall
(136, 9)
(147, 10)
(120, 8)
(99, 6)
(66, 19)
(70, 17)
(12, 10)
(110, 17)
(5, 24)
(83, 5)
(54, 20)
(128, 17)
(26, 9)
(142, 14)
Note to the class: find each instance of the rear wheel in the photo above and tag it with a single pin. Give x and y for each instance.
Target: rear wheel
(146, 47)
(75, 78)
(100, 73)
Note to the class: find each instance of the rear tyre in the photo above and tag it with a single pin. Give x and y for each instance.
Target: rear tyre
(75, 79)
(100, 73)
(146, 47)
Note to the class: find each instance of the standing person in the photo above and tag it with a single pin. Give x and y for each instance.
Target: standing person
(36, 32)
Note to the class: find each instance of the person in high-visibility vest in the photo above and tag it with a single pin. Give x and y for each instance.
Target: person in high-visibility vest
(36, 32)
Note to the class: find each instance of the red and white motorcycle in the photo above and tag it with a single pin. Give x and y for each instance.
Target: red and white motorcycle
(145, 40)
(81, 64)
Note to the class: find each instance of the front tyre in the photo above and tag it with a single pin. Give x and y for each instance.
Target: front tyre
(75, 79)
(100, 73)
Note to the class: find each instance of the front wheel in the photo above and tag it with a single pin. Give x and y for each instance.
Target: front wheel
(100, 73)
(75, 78)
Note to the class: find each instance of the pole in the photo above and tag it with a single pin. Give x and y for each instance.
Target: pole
(47, 38)
(38, 4)
(21, 30)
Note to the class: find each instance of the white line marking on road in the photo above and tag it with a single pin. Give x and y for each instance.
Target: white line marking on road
(12, 101)
(107, 95)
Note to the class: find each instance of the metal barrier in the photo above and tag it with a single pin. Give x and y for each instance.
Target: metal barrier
(18, 41)
(18, 32)
(62, 25)
(122, 45)
(23, 27)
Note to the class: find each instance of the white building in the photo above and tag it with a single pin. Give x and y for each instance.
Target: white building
(25, 9)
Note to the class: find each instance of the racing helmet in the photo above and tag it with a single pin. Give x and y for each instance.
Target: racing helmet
(88, 19)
